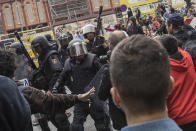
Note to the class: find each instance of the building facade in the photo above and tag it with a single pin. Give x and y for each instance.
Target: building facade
(24, 14)
(1, 25)
(30, 14)
(68, 11)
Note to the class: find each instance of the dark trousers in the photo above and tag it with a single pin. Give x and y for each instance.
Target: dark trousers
(82, 110)
(43, 122)
(60, 121)
(189, 127)
(117, 116)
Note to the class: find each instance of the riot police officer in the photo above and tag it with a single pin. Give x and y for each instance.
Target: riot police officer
(95, 44)
(79, 69)
(64, 41)
(45, 77)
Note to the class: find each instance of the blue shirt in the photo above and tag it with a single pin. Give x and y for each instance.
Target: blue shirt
(156, 125)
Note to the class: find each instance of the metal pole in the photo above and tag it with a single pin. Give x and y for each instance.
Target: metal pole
(37, 11)
(52, 26)
(76, 18)
(68, 12)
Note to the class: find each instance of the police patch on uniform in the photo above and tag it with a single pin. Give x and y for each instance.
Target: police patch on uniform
(54, 61)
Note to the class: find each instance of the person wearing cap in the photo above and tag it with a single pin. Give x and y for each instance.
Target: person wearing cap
(181, 102)
(79, 70)
(175, 25)
(95, 45)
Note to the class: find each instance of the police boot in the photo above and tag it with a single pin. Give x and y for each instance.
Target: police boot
(104, 125)
(62, 122)
(44, 124)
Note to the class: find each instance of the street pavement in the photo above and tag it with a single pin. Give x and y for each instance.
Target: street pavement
(89, 124)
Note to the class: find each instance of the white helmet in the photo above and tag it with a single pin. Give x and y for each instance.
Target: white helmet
(88, 28)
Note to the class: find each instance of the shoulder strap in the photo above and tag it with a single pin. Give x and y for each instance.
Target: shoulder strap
(46, 58)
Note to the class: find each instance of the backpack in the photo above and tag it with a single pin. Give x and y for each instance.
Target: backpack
(190, 45)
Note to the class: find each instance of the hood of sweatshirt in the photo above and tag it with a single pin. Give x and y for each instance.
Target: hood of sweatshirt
(183, 64)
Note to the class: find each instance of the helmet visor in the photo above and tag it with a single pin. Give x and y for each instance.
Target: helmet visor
(78, 49)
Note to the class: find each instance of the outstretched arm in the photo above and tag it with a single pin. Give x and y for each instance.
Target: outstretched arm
(52, 103)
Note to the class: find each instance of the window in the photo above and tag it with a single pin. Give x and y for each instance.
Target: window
(39, 9)
(105, 2)
(18, 14)
(8, 16)
(116, 2)
(96, 3)
(29, 12)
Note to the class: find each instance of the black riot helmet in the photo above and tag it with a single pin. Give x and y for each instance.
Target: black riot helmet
(39, 45)
(77, 48)
(16, 47)
(48, 37)
(65, 39)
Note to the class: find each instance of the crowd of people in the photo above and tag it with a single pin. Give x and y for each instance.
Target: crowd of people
(148, 81)
(149, 25)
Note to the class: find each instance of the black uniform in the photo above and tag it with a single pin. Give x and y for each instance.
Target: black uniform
(97, 46)
(63, 53)
(49, 68)
(77, 77)
(134, 28)
(116, 114)
(64, 41)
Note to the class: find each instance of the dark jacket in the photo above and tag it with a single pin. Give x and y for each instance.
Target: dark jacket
(48, 103)
(14, 114)
(116, 114)
(162, 28)
(64, 54)
(184, 35)
(97, 46)
(138, 13)
(130, 13)
(134, 28)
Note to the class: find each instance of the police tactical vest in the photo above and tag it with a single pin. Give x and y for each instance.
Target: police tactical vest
(80, 74)
(40, 79)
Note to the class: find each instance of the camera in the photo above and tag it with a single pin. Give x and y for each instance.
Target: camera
(105, 58)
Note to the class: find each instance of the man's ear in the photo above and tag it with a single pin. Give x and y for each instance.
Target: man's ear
(115, 96)
(171, 85)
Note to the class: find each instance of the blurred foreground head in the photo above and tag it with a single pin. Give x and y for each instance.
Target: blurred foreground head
(7, 63)
(140, 75)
